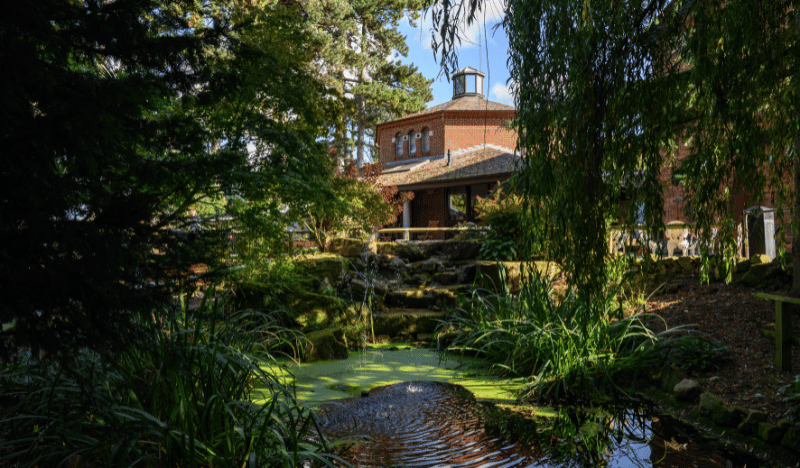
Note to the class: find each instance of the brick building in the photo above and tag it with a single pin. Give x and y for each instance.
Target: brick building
(449, 154)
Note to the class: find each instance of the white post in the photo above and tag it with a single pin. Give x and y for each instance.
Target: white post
(406, 219)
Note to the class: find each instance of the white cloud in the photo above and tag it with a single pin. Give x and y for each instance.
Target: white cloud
(493, 11)
(504, 94)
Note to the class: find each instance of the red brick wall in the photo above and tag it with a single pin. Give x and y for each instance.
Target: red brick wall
(451, 130)
(386, 132)
(468, 129)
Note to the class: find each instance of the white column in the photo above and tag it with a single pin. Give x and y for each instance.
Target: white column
(406, 218)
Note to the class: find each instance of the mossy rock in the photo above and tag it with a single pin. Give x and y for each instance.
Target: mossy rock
(670, 376)
(688, 264)
(458, 250)
(756, 275)
(411, 251)
(792, 439)
(751, 421)
(410, 298)
(314, 311)
(709, 403)
(760, 259)
(319, 267)
(325, 345)
(491, 273)
(346, 247)
(406, 322)
(769, 432)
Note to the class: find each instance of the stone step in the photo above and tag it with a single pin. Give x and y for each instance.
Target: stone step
(424, 297)
(406, 323)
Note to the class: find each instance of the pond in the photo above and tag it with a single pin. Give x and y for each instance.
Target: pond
(421, 411)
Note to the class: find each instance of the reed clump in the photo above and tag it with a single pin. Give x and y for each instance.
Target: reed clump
(182, 398)
(575, 346)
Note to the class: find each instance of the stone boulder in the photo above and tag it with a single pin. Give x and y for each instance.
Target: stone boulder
(411, 251)
(347, 247)
(432, 265)
(313, 311)
(687, 390)
(769, 432)
(397, 324)
(325, 345)
(792, 439)
(750, 423)
(328, 266)
(492, 274)
(396, 264)
(760, 259)
(458, 250)
(669, 377)
(359, 287)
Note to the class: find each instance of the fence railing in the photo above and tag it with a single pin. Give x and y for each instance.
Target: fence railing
(424, 233)
(677, 239)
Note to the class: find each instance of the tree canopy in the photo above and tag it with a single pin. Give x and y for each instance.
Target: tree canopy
(118, 116)
(608, 92)
(360, 55)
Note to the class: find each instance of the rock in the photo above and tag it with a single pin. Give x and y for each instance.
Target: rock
(359, 286)
(756, 275)
(394, 348)
(407, 322)
(492, 273)
(769, 432)
(325, 345)
(751, 421)
(420, 279)
(457, 250)
(670, 376)
(323, 266)
(431, 265)
(709, 402)
(742, 264)
(466, 273)
(448, 277)
(785, 424)
(687, 390)
(410, 298)
(364, 393)
(347, 247)
(792, 439)
(687, 264)
(314, 311)
(397, 264)
(760, 259)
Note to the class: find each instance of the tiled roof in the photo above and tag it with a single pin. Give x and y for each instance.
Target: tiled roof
(470, 163)
(465, 103)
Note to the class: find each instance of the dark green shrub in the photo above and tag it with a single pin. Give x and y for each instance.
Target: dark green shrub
(183, 398)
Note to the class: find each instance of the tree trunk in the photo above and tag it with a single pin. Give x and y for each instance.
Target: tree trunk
(796, 221)
(362, 115)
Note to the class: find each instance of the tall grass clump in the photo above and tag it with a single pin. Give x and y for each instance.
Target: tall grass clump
(182, 398)
(571, 347)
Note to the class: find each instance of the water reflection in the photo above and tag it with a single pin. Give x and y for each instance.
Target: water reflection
(433, 424)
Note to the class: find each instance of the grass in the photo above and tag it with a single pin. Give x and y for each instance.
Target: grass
(180, 399)
(576, 347)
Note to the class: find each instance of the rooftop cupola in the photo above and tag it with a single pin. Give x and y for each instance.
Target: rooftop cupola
(467, 82)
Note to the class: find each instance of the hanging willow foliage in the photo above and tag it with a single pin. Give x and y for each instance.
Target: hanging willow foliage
(607, 91)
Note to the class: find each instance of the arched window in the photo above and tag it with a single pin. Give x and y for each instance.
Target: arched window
(412, 143)
(398, 141)
(426, 141)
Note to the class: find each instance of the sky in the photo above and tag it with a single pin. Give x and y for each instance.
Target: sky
(489, 57)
